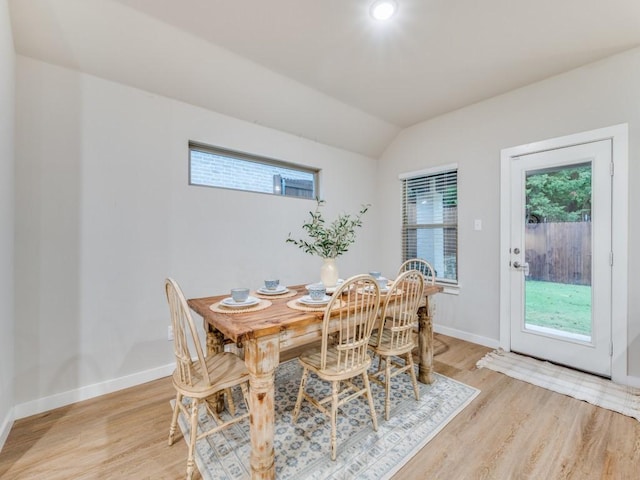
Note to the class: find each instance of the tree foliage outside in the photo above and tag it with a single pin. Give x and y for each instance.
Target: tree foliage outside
(562, 195)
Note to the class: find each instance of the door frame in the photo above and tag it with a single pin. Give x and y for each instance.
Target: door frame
(619, 135)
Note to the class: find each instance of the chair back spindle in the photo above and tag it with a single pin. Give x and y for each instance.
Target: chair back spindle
(394, 339)
(399, 314)
(183, 328)
(348, 331)
(200, 380)
(343, 354)
(422, 266)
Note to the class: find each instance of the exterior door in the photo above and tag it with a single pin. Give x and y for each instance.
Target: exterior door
(560, 256)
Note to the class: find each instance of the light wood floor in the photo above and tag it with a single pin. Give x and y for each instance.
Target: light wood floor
(512, 430)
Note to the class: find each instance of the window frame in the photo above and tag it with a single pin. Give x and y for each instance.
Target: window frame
(254, 159)
(424, 175)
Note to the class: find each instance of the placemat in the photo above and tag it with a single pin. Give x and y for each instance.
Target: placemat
(261, 305)
(309, 308)
(290, 293)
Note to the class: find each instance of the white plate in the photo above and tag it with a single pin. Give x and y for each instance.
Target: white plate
(230, 302)
(306, 300)
(278, 291)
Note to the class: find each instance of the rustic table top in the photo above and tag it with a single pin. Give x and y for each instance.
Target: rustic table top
(239, 326)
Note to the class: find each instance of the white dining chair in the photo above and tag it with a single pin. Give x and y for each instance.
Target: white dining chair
(343, 353)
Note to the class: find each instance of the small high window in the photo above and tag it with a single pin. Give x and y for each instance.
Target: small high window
(430, 220)
(216, 167)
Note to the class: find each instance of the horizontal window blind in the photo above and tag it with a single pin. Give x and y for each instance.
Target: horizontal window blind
(430, 221)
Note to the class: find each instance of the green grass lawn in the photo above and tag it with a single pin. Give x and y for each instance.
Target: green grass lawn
(559, 305)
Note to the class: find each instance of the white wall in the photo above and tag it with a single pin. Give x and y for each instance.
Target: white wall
(7, 102)
(105, 213)
(598, 95)
(151, 54)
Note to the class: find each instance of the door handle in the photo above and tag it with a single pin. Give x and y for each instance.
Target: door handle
(522, 266)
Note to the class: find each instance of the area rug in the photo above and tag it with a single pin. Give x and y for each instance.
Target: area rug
(589, 388)
(303, 449)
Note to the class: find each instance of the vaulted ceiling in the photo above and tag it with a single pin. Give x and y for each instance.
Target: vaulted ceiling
(323, 69)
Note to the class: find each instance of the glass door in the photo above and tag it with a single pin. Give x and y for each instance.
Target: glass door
(560, 256)
(558, 251)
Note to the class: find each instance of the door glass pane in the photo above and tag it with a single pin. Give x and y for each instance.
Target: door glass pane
(558, 295)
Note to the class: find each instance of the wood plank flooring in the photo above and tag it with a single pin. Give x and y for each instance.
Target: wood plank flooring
(512, 430)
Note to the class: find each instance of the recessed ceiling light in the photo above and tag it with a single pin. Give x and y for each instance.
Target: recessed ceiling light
(383, 9)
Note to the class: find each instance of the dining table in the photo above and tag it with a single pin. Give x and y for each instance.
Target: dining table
(275, 325)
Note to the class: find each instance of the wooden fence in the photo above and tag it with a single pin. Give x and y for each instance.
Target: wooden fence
(559, 252)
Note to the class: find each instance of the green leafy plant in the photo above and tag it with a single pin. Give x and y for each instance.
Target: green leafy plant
(329, 240)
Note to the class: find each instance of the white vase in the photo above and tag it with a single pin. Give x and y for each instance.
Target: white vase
(329, 272)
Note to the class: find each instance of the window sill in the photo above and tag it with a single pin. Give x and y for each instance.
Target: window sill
(449, 289)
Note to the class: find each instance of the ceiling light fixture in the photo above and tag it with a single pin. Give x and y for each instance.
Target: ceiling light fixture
(383, 9)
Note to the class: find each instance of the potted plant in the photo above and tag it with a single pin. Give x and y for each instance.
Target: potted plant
(329, 240)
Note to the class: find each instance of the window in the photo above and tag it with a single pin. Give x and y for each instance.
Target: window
(430, 220)
(217, 167)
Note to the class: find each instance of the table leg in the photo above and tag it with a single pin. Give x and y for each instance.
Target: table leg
(262, 356)
(215, 339)
(425, 344)
(215, 344)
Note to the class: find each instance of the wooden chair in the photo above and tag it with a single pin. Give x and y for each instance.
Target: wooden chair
(343, 353)
(394, 338)
(422, 266)
(197, 377)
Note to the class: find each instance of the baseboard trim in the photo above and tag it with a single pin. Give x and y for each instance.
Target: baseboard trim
(7, 423)
(469, 337)
(491, 343)
(633, 382)
(90, 391)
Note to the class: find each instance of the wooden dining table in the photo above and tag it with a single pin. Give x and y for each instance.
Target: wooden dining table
(263, 335)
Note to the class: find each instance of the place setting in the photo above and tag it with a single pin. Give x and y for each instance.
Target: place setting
(383, 284)
(331, 290)
(240, 301)
(273, 289)
(315, 300)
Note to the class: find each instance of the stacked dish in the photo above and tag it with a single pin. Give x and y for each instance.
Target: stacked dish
(231, 303)
(279, 290)
(307, 300)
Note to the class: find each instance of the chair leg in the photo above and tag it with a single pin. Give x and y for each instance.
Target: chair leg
(231, 405)
(412, 373)
(380, 359)
(303, 382)
(334, 417)
(387, 388)
(374, 419)
(245, 395)
(174, 418)
(193, 433)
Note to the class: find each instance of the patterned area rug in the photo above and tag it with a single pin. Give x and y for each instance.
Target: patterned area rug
(302, 449)
(592, 389)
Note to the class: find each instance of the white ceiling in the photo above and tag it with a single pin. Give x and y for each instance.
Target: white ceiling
(326, 58)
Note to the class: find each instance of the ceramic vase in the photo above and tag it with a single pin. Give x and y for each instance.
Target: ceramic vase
(329, 272)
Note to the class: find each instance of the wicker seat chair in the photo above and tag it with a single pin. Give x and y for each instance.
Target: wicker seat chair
(394, 339)
(343, 353)
(199, 378)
